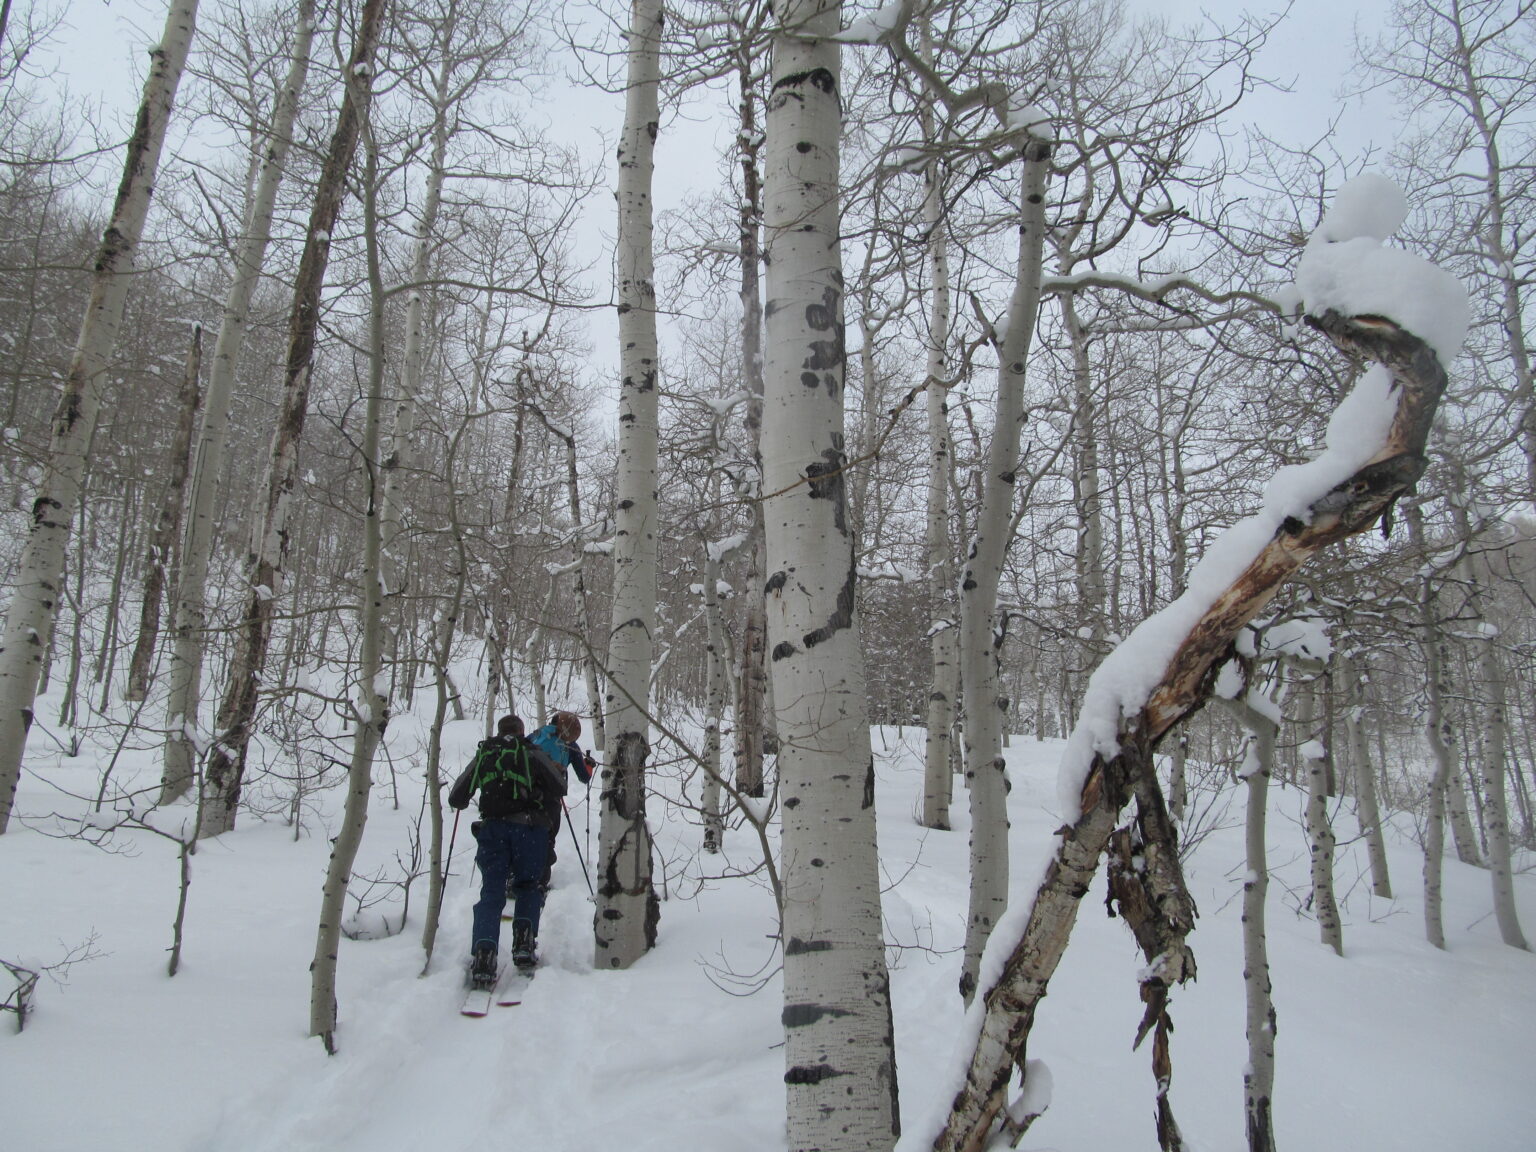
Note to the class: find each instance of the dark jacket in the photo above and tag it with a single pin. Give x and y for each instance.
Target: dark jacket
(513, 777)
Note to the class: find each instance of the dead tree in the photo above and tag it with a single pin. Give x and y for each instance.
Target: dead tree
(1113, 778)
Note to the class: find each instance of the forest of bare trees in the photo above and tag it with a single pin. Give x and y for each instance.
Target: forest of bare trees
(979, 332)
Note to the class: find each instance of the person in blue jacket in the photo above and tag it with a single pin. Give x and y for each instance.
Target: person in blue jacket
(557, 740)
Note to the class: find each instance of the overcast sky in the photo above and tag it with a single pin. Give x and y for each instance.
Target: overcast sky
(101, 55)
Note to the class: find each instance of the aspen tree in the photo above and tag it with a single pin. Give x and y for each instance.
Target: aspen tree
(1364, 773)
(268, 553)
(1316, 751)
(839, 1046)
(369, 708)
(754, 719)
(939, 757)
(627, 906)
(982, 573)
(1259, 714)
(165, 544)
(35, 599)
(184, 673)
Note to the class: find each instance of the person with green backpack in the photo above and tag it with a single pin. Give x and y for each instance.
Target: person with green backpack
(520, 792)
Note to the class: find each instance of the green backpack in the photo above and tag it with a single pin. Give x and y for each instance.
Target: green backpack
(504, 775)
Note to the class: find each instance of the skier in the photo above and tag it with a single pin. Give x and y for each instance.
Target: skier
(520, 792)
(558, 740)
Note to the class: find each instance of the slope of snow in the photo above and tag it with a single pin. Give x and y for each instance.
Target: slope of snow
(1394, 1046)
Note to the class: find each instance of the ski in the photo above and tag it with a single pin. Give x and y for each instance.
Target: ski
(516, 987)
(477, 1001)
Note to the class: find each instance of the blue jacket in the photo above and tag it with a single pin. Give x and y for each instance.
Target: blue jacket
(565, 754)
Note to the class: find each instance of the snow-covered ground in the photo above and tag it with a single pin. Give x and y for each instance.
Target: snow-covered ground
(1395, 1046)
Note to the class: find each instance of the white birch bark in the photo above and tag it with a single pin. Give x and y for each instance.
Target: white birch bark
(984, 769)
(1089, 558)
(164, 547)
(397, 460)
(370, 708)
(1320, 837)
(1365, 777)
(1457, 815)
(1437, 735)
(627, 906)
(717, 686)
(1491, 699)
(1495, 752)
(943, 645)
(839, 1051)
(270, 534)
(184, 671)
(34, 601)
(1257, 716)
(444, 633)
(753, 717)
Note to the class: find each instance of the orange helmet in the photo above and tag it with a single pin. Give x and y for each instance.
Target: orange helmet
(567, 725)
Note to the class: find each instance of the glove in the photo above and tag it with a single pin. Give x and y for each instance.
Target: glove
(591, 763)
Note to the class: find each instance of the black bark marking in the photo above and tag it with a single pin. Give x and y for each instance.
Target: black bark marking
(775, 583)
(819, 78)
(829, 355)
(799, 947)
(811, 1074)
(842, 616)
(799, 1015)
(783, 650)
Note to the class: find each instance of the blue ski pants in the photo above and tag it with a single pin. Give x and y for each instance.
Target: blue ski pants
(515, 849)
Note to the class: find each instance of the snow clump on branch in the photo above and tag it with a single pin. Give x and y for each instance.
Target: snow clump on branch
(1345, 268)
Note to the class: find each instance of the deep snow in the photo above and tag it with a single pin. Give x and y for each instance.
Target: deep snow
(1396, 1046)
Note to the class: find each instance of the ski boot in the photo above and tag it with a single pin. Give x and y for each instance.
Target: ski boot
(522, 946)
(482, 968)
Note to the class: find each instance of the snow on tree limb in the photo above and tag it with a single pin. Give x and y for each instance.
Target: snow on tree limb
(1166, 668)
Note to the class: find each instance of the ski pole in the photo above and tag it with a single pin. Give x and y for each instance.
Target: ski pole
(577, 844)
(448, 863)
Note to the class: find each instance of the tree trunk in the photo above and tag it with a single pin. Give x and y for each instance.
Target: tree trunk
(753, 719)
(184, 672)
(979, 630)
(1316, 751)
(371, 709)
(442, 655)
(1259, 1075)
(1438, 734)
(717, 681)
(943, 644)
(1365, 777)
(163, 548)
(270, 539)
(840, 1057)
(34, 600)
(627, 906)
